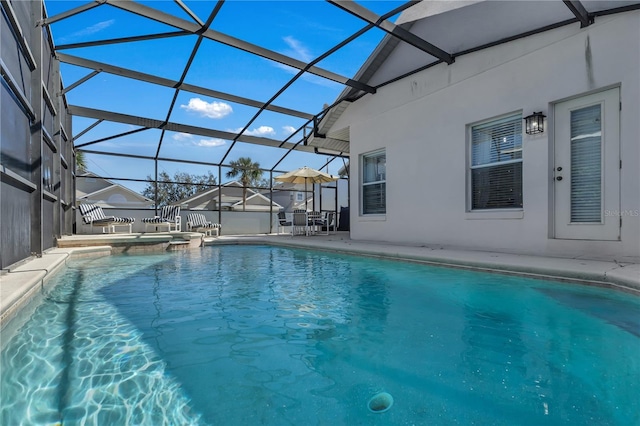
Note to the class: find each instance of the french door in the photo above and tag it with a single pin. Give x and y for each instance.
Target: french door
(587, 167)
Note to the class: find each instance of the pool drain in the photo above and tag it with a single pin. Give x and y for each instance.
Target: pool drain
(380, 402)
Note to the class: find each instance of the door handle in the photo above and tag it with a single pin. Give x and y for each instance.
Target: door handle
(559, 168)
(559, 178)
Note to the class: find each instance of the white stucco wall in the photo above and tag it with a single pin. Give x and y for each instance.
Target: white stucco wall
(422, 121)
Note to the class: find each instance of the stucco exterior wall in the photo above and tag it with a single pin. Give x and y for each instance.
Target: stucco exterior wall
(422, 122)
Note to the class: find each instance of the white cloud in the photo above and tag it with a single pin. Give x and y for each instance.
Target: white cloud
(259, 131)
(182, 137)
(189, 139)
(297, 49)
(288, 129)
(96, 28)
(208, 109)
(262, 131)
(211, 142)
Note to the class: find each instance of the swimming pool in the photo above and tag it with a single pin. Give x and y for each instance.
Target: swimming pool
(242, 335)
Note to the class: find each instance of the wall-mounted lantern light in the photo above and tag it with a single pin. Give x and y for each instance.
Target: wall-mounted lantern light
(534, 123)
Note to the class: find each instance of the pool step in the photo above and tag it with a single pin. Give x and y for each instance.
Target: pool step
(179, 245)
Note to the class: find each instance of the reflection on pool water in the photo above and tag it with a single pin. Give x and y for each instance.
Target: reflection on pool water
(242, 335)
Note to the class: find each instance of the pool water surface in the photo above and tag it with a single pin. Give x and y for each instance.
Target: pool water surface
(248, 335)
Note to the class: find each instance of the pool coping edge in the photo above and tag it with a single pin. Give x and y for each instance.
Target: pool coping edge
(605, 274)
(21, 284)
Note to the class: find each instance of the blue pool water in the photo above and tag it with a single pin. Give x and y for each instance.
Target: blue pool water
(239, 335)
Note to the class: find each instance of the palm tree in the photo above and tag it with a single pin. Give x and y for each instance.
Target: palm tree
(81, 162)
(248, 171)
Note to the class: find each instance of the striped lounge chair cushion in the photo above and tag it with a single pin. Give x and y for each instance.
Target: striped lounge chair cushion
(170, 212)
(167, 214)
(156, 220)
(198, 220)
(92, 214)
(123, 219)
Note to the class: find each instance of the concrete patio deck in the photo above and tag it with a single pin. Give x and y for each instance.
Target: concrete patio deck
(18, 285)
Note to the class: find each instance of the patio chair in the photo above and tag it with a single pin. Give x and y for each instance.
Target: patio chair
(93, 215)
(282, 221)
(332, 222)
(317, 222)
(169, 217)
(197, 222)
(300, 222)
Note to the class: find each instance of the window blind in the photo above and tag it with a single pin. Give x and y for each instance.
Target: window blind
(497, 187)
(374, 199)
(586, 164)
(497, 141)
(496, 164)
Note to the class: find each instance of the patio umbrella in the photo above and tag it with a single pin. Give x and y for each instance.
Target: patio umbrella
(306, 174)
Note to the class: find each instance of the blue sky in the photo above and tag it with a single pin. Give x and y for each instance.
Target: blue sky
(299, 29)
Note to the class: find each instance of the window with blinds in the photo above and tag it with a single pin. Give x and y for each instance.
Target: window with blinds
(374, 183)
(496, 164)
(586, 165)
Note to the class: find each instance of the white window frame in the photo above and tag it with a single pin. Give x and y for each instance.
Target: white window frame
(515, 117)
(380, 179)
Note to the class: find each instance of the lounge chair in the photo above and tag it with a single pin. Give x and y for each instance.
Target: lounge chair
(93, 215)
(197, 222)
(282, 221)
(169, 217)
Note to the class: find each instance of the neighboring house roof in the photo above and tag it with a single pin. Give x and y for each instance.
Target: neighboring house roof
(95, 190)
(230, 199)
(283, 193)
(457, 28)
(231, 193)
(87, 183)
(288, 186)
(257, 202)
